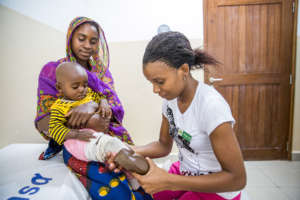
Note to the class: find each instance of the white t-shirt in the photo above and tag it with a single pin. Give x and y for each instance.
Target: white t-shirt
(191, 131)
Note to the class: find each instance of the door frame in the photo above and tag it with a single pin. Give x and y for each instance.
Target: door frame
(293, 70)
(293, 74)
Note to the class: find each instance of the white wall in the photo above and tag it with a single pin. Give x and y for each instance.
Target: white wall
(27, 44)
(25, 47)
(33, 32)
(122, 20)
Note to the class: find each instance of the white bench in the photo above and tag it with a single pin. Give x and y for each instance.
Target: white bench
(23, 176)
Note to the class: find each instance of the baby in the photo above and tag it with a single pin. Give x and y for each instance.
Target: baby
(72, 85)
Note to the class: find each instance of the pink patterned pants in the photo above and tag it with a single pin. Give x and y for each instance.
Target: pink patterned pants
(186, 195)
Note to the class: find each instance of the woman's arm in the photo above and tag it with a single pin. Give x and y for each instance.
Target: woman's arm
(231, 178)
(233, 175)
(46, 93)
(59, 132)
(83, 134)
(159, 148)
(95, 121)
(79, 116)
(43, 125)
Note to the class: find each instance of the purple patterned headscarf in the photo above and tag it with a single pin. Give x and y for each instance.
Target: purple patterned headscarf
(99, 79)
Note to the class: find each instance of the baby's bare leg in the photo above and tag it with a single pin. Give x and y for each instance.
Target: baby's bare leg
(98, 123)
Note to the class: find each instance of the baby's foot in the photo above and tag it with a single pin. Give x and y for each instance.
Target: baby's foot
(131, 161)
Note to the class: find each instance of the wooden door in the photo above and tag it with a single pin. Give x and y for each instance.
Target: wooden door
(253, 41)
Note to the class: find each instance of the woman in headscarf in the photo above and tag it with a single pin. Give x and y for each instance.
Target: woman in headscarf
(86, 45)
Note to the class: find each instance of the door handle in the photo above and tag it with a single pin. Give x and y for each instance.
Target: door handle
(212, 79)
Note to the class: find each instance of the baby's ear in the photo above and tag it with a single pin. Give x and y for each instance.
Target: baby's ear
(58, 87)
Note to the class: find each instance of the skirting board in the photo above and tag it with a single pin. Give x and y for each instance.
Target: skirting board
(296, 156)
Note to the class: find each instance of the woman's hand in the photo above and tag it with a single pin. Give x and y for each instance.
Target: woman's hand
(104, 109)
(155, 180)
(79, 115)
(112, 166)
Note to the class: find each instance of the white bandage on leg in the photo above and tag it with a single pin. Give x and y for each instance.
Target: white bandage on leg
(96, 150)
(91, 147)
(107, 144)
(98, 147)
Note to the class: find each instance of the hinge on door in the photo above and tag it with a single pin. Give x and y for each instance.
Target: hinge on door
(291, 79)
(287, 146)
(293, 8)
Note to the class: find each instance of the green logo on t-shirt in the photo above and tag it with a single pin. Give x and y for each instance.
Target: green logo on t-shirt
(187, 137)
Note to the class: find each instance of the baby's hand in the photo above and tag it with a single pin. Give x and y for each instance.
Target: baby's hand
(104, 109)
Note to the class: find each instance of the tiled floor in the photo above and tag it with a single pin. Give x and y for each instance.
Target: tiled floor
(273, 180)
(267, 180)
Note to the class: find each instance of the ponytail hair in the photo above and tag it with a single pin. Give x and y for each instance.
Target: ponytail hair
(202, 58)
(174, 49)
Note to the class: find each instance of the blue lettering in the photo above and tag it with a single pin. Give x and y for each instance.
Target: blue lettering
(36, 180)
(29, 190)
(39, 180)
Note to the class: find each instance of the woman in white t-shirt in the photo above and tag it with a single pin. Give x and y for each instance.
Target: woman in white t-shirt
(200, 122)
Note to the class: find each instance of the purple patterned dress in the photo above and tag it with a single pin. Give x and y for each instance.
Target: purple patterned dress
(100, 183)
